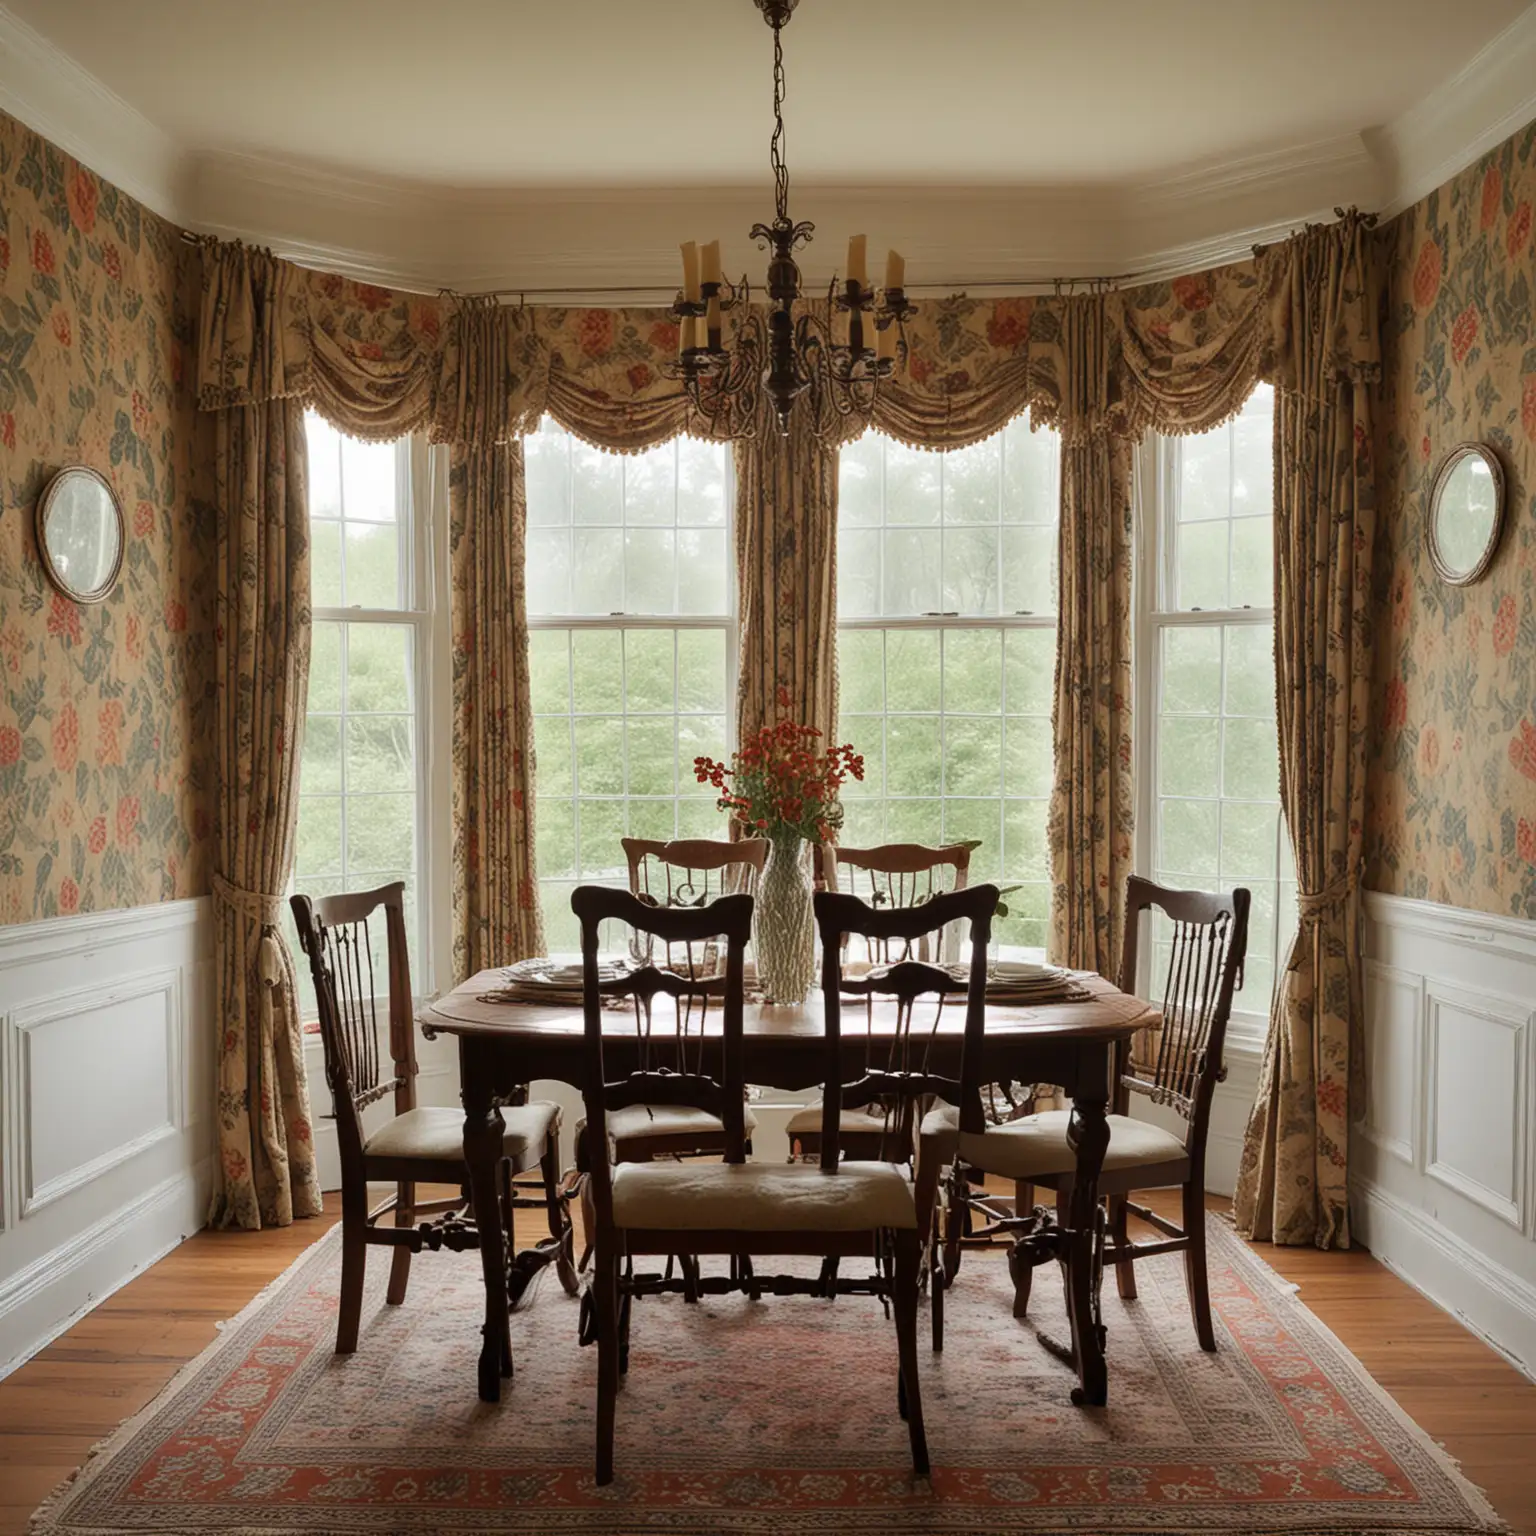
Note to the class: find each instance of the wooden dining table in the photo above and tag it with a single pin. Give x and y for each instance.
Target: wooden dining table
(504, 1046)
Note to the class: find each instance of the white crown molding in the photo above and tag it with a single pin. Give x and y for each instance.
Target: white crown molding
(424, 237)
(973, 238)
(1465, 117)
(54, 96)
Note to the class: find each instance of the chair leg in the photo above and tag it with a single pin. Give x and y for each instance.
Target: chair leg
(1125, 1267)
(936, 1294)
(559, 1216)
(400, 1266)
(955, 1209)
(588, 1222)
(904, 1305)
(354, 1264)
(1023, 1277)
(605, 1290)
(1194, 1265)
(925, 1191)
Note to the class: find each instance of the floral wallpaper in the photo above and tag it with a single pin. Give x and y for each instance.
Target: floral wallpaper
(1451, 798)
(105, 761)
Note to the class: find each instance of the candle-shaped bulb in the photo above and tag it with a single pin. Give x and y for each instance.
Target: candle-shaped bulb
(885, 340)
(711, 255)
(712, 321)
(895, 271)
(690, 272)
(858, 272)
(687, 334)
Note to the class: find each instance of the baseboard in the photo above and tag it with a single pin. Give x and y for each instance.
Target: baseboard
(39, 1302)
(1498, 1305)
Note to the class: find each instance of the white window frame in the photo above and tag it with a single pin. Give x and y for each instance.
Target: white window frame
(618, 621)
(944, 621)
(1159, 462)
(421, 500)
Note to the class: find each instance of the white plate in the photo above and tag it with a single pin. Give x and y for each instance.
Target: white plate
(1022, 971)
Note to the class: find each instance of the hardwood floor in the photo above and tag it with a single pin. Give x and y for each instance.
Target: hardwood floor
(113, 1361)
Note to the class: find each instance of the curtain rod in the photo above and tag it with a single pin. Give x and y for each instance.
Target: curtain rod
(1094, 284)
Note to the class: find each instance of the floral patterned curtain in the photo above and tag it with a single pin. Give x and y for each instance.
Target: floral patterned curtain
(266, 1164)
(495, 901)
(1092, 795)
(1293, 1181)
(786, 561)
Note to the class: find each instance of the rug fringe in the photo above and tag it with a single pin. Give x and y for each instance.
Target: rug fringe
(1476, 1499)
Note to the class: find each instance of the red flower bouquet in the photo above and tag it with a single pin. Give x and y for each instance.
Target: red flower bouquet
(781, 784)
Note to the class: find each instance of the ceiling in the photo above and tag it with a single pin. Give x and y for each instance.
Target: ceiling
(529, 142)
(616, 93)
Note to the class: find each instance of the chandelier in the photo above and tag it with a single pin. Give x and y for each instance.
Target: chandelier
(830, 363)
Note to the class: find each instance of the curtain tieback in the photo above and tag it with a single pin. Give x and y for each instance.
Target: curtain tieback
(1313, 907)
(260, 907)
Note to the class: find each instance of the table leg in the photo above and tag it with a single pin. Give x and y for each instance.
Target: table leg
(1088, 1136)
(483, 1134)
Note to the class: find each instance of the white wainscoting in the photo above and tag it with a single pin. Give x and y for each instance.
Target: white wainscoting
(1443, 1184)
(106, 1084)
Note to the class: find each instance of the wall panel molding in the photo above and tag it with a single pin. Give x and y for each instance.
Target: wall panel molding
(164, 1115)
(106, 1088)
(1451, 1048)
(1389, 1098)
(1476, 1048)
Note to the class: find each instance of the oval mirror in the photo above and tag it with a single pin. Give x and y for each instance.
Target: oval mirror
(80, 534)
(1466, 512)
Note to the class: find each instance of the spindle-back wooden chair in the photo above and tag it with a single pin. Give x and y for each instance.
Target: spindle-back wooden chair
(1205, 960)
(419, 1144)
(889, 877)
(733, 1207)
(681, 874)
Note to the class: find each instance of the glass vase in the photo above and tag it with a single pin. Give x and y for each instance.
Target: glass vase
(783, 929)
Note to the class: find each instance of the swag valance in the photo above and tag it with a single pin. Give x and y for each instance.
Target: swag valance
(1178, 355)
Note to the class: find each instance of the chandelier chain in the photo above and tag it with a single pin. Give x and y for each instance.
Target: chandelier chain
(776, 144)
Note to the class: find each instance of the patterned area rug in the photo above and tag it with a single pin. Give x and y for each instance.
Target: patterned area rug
(778, 1416)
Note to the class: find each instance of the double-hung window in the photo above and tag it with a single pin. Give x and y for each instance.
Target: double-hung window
(946, 652)
(631, 617)
(1210, 811)
(363, 807)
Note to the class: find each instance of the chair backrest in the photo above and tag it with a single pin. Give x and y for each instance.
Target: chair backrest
(905, 1076)
(898, 875)
(338, 935)
(1205, 959)
(686, 1081)
(690, 872)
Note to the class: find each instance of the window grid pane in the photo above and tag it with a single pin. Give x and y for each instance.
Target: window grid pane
(953, 719)
(611, 534)
(358, 788)
(1216, 804)
(1221, 530)
(621, 709)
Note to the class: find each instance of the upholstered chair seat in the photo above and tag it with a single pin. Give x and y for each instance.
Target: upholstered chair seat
(1036, 1145)
(641, 1122)
(762, 1197)
(437, 1133)
(861, 1122)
